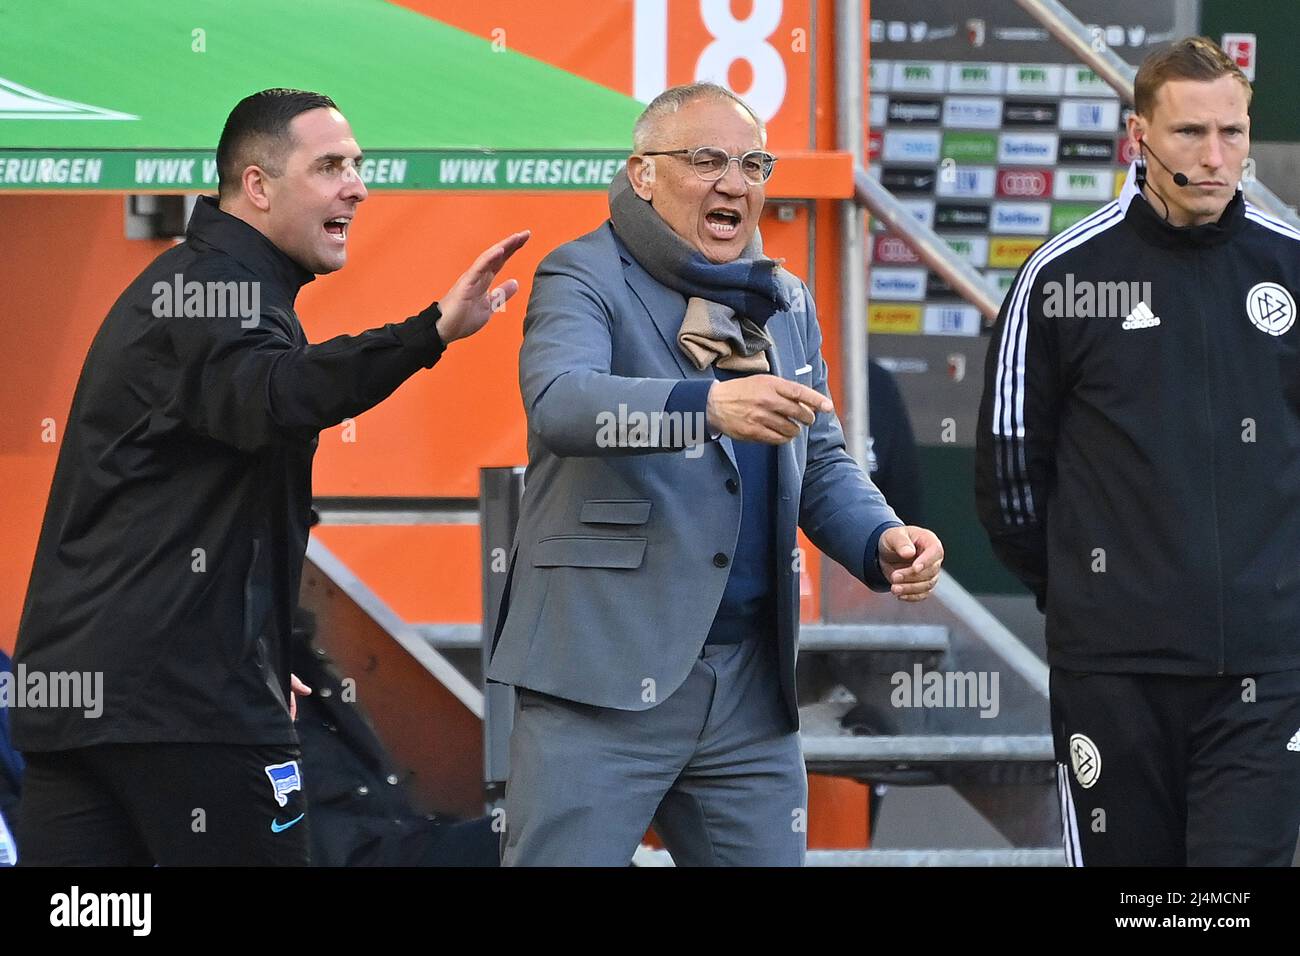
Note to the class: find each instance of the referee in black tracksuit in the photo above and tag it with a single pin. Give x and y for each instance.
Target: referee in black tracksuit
(1138, 467)
(171, 552)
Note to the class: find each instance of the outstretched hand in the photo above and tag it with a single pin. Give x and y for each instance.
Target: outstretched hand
(469, 303)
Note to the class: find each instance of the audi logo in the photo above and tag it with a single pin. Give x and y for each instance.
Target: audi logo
(892, 249)
(1026, 183)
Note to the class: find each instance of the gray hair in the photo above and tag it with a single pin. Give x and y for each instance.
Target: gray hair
(673, 99)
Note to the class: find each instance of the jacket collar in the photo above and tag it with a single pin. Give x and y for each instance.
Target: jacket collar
(246, 245)
(664, 305)
(1149, 220)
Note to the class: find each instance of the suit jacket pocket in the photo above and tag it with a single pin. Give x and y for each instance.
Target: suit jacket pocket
(588, 551)
(611, 511)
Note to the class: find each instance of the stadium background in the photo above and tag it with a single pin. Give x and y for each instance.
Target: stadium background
(428, 80)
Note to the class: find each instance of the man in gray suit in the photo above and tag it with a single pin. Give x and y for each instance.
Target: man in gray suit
(679, 428)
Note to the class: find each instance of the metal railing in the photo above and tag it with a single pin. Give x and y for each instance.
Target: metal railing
(849, 136)
(925, 242)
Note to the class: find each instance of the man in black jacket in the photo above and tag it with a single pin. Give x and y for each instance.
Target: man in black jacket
(1138, 467)
(170, 557)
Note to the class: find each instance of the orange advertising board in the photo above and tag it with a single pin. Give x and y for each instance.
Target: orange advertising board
(762, 49)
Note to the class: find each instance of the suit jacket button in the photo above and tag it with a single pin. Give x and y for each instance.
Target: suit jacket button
(720, 560)
(733, 485)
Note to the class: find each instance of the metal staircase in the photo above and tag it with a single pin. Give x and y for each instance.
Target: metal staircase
(995, 752)
(1000, 764)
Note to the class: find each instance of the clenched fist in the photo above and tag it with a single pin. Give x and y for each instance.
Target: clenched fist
(910, 557)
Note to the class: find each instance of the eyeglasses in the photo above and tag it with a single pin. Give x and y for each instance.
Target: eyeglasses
(712, 162)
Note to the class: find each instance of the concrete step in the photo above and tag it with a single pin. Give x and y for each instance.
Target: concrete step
(914, 638)
(813, 638)
(1044, 856)
(444, 637)
(947, 756)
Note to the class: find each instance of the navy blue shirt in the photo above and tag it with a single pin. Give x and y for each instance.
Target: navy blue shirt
(748, 606)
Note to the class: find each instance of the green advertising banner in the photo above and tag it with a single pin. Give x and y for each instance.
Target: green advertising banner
(432, 107)
(1272, 27)
(193, 171)
(1065, 215)
(977, 149)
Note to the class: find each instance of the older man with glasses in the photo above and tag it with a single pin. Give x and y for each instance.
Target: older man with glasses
(679, 431)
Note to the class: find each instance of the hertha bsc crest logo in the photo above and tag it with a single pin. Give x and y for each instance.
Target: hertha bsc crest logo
(285, 779)
(1270, 308)
(1085, 758)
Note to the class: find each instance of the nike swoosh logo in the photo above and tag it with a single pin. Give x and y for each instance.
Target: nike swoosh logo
(278, 827)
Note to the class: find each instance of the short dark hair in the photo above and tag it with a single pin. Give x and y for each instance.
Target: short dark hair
(1191, 58)
(257, 133)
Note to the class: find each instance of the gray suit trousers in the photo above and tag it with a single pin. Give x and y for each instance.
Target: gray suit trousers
(715, 767)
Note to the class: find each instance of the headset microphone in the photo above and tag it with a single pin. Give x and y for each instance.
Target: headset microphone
(1179, 178)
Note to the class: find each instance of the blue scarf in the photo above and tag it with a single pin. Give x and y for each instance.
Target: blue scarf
(728, 294)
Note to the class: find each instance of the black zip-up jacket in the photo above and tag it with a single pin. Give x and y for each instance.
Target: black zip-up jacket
(1139, 469)
(172, 547)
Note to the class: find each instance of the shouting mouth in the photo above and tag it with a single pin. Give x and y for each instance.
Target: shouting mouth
(337, 228)
(722, 223)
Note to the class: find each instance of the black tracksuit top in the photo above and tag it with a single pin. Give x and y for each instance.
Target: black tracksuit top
(172, 546)
(1138, 463)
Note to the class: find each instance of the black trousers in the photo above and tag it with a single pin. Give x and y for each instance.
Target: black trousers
(174, 804)
(1155, 770)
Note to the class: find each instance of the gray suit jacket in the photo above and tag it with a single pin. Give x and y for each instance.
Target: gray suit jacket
(618, 565)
